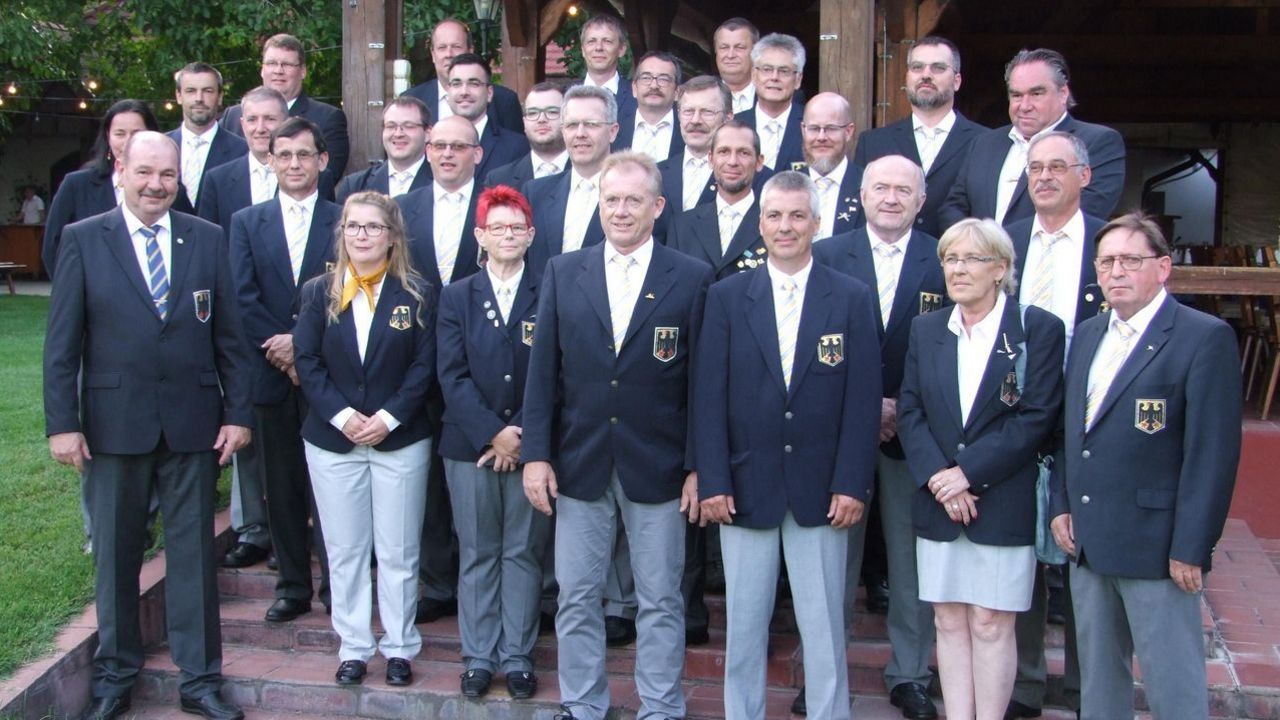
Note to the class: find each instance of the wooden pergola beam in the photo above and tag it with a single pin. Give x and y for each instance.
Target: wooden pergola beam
(846, 54)
(371, 40)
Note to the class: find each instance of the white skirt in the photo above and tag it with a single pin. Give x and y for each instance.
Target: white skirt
(995, 577)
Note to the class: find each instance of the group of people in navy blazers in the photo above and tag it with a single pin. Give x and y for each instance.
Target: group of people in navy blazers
(531, 359)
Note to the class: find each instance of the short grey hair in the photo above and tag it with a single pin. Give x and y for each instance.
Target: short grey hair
(1077, 145)
(991, 239)
(637, 159)
(778, 41)
(792, 181)
(599, 93)
(263, 93)
(707, 82)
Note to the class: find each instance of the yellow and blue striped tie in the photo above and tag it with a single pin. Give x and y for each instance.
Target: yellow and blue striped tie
(158, 279)
(788, 324)
(1107, 372)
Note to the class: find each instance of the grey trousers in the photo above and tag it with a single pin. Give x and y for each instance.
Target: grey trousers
(585, 533)
(501, 538)
(910, 621)
(815, 567)
(1115, 616)
(249, 498)
(620, 587)
(1033, 671)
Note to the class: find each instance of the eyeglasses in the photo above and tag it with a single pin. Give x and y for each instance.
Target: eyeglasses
(700, 113)
(402, 127)
(819, 130)
(1057, 168)
(953, 262)
(591, 125)
(937, 68)
(516, 229)
(782, 72)
(1128, 262)
(287, 156)
(458, 147)
(372, 230)
(648, 78)
(533, 113)
(473, 84)
(280, 64)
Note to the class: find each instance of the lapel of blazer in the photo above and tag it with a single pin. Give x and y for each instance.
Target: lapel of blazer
(102, 192)
(1090, 291)
(380, 178)
(747, 234)
(955, 141)
(904, 137)
(1004, 355)
(657, 283)
(673, 180)
(116, 237)
(419, 215)
(557, 200)
(706, 228)
(271, 230)
(914, 266)
(764, 324)
(526, 298)
(858, 248)
(1144, 351)
(791, 142)
(1084, 346)
(347, 331)
(468, 258)
(947, 373)
(849, 200)
(488, 139)
(393, 294)
(240, 185)
(320, 240)
(813, 318)
(591, 282)
(181, 246)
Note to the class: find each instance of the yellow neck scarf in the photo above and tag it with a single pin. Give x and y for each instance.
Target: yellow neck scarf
(355, 283)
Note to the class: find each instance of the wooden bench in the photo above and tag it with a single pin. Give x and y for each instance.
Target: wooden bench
(8, 269)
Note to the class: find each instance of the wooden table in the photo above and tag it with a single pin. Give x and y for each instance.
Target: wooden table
(1198, 280)
(20, 244)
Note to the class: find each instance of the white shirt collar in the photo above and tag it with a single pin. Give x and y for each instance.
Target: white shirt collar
(560, 161)
(575, 178)
(133, 224)
(763, 118)
(1143, 317)
(254, 165)
(308, 203)
(986, 328)
(512, 282)
(207, 135)
(481, 124)
(413, 169)
(611, 84)
(1074, 229)
(742, 206)
(438, 191)
(837, 173)
(669, 119)
(876, 240)
(776, 276)
(944, 125)
(642, 254)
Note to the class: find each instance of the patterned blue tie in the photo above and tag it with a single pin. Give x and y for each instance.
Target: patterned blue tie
(158, 279)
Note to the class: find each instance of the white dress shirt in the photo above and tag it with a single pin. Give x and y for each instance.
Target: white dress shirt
(505, 299)
(117, 186)
(447, 221)
(696, 177)
(195, 155)
(1068, 258)
(788, 330)
(973, 351)
(262, 181)
(611, 84)
(399, 181)
(362, 318)
(583, 204)
(614, 280)
(829, 196)
(733, 220)
(929, 140)
(546, 168)
(164, 238)
(445, 109)
(888, 263)
(744, 99)
(296, 236)
(1112, 339)
(1015, 166)
(654, 140)
(771, 142)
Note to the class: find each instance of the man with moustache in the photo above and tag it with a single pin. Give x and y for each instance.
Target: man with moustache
(936, 136)
(200, 146)
(605, 436)
(702, 105)
(143, 309)
(901, 264)
(276, 246)
(1055, 269)
(777, 63)
(993, 182)
(547, 155)
(470, 89)
(651, 127)
(450, 38)
(406, 125)
(604, 43)
(828, 130)
(733, 42)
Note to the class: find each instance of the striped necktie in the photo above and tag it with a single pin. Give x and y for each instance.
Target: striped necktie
(1107, 372)
(1042, 291)
(693, 191)
(728, 218)
(157, 278)
(191, 166)
(886, 278)
(450, 238)
(620, 312)
(772, 143)
(298, 227)
(788, 325)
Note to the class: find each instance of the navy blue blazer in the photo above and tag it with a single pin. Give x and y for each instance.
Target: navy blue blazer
(627, 131)
(974, 192)
(624, 97)
(377, 178)
(778, 448)
(1090, 302)
(225, 190)
(591, 412)
(225, 148)
(500, 147)
(397, 371)
(513, 174)
(791, 151)
(1152, 479)
(418, 208)
(504, 109)
(144, 379)
(696, 233)
(849, 215)
(549, 198)
(333, 125)
(672, 170)
(997, 448)
(482, 363)
(899, 138)
(263, 273)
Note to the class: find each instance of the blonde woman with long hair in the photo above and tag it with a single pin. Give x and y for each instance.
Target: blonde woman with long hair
(365, 354)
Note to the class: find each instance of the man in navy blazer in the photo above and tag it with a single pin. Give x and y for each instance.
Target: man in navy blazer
(144, 310)
(276, 246)
(470, 91)
(606, 439)
(650, 127)
(250, 179)
(603, 40)
(828, 132)
(201, 146)
(733, 41)
(778, 68)
(406, 125)
(901, 265)
(703, 105)
(936, 137)
(547, 155)
(1143, 478)
(450, 38)
(787, 411)
(993, 182)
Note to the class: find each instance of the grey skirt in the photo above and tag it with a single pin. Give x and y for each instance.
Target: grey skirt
(995, 577)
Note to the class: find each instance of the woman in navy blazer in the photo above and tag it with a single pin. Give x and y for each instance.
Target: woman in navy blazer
(980, 397)
(364, 348)
(484, 336)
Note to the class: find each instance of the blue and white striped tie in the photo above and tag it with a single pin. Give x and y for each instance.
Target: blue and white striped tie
(157, 279)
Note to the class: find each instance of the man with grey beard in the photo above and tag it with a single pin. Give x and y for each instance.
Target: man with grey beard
(828, 130)
(935, 136)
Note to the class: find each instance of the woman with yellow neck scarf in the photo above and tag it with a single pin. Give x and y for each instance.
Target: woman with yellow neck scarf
(365, 355)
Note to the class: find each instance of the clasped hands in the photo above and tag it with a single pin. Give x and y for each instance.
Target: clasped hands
(364, 429)
(951, 489)
(279, 351)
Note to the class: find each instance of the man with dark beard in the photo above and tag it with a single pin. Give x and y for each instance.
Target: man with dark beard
(828, 130)
(935, 136)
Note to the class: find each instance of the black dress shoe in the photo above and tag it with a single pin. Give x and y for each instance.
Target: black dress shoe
(106, 708)
(352, 672)
(913, 699)
(798, 706)
(243, 555)
(521, 685)
(399, 672)
(286, 609)
(618, 631)
(878, 597)
(211, 706)
(431, 610)
(475, 682)
(696, 636)
(1017, 710)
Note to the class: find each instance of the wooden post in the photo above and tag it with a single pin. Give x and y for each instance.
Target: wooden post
(520, 69)
(846, 54)
(365, 69)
